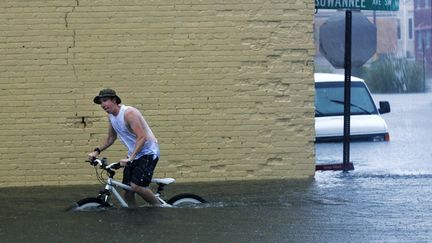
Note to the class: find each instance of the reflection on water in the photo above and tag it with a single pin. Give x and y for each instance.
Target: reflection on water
(385, 199)
(335, 206)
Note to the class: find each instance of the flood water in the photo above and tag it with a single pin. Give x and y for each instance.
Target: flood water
(387, 198)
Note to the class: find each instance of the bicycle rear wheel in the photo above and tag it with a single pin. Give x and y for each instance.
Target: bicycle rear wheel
(89, 204)
(185, 199)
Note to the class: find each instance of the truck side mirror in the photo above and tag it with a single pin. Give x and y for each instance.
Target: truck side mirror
(384, 107)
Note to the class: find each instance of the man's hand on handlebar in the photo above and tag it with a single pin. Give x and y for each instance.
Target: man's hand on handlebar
(125, 162)
(92, 161)
(93, 155)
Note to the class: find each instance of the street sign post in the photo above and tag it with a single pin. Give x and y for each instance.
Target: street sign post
(381, 5)
(349, 5)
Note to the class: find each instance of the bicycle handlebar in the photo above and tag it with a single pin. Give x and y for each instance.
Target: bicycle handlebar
(103, 163)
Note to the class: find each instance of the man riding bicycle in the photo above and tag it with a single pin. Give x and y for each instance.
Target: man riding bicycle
(129, 125)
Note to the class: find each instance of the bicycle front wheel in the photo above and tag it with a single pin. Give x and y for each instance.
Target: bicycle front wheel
(89, 204)
(185, 199)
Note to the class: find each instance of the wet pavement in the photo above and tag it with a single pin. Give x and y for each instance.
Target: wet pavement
(387, 198)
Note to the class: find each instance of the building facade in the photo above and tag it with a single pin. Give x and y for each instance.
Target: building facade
(405, 29)
(227, 86)
(423, 34)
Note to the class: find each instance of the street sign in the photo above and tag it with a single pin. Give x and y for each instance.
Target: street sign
(381, 5)
(332, 39)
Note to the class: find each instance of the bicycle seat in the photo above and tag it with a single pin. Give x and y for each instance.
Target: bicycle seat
(164, 181)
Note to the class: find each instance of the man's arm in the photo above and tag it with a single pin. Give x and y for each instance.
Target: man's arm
(109, 140)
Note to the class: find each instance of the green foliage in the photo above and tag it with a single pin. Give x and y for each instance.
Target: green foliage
(390, 75)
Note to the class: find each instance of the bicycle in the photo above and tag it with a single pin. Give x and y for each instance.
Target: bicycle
(102, 200)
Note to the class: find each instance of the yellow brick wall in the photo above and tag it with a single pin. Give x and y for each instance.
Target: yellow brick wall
(227, 86)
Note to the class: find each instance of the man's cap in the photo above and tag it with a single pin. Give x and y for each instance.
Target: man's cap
(106, 93)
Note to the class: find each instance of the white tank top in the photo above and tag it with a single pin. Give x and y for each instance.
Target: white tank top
(128, 138)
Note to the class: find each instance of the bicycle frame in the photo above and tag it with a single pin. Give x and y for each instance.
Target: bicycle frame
(110, 187)
(111, 184)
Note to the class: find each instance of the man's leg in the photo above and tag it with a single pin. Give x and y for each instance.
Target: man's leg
(128, 195)
(146, 194)
(141, 178)
(130, 198)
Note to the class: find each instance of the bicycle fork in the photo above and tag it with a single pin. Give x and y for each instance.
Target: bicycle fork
(109, 188)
